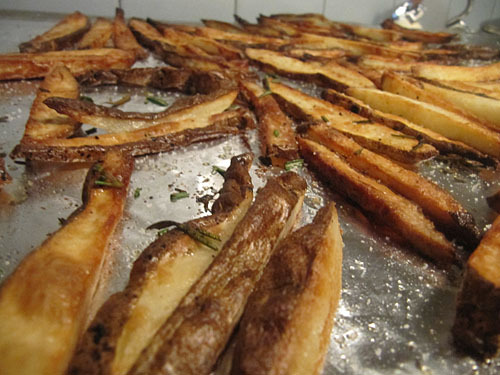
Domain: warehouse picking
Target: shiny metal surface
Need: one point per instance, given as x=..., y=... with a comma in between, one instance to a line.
x=396, y=309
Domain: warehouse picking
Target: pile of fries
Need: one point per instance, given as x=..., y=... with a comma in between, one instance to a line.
x=390, y=98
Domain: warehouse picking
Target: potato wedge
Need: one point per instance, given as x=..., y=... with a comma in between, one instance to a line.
x=305, y=53
x=223, y=26
x=385, y=63
x=258, y=29
x=447, y=123
x=402, y=215
x=37, y=65
x=476, y=327
x=374, y=136
x=441, y=143
x=159, y=279
x=99, y=35
x=484, y=89
x=207, y=315
x=419, y=35
x=49, y=296
x=115, y=120
x=330, y=73
x=489, y=72
x=286, y=326
x=446, y=213
x=245, y=39
x=276, y=135
x=123, y=37
x=61, y=36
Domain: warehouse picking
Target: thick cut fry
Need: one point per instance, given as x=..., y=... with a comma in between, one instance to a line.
x=448, y=215
x=489, y=72
x=376, y=137
x=195, y=334
x=477, y=327
x=223, y=26
x=277, y=137
x=484, y=89
x=331, y=72
x=288, y=319
x=246, y=39
x=43, y=122
x=99, y=35
x=61, y=36
x=49, y=297
x=123, y=37
x=115, y=120
x=385, y=63
x=401, y=215
x=443, y=144
x=305, y=53
x=161, y=276
x=447, y=123
x=419, y=35
x=36, y=65
x=257, y=29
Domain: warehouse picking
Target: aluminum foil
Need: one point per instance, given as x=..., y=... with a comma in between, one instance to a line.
x=396, y=309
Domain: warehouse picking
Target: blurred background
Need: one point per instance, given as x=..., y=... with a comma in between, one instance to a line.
x=436, y=12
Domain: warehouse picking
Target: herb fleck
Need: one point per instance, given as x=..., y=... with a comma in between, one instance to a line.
x=297, y=163
x=174, y=197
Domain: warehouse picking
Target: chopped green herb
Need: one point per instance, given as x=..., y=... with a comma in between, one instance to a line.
x=297, y=163
x=86, y=98
x=174, y=197
x=265, y=93
x=358, y=151
x=325, y=119
x=219, y=170
x=91, y=131
x=105, y=179
x=276, y=133
x=418, y=145
x=161, y=232
x=137, y=193
x=61, y=220
x=196, y=233
x=362, y=122
x=124, y=99
x=156, y=100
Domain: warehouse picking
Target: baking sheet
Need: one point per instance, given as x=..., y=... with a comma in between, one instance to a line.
x=396, y=309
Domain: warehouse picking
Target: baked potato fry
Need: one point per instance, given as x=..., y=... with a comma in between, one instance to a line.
x=402, y=215
x=385, y=63
x=286, y=326
x=63, y=35
x=489, y=72
x=305, y=53
x=159, y=279
x=244, y=39
x=446, y=213
x=276, y=135
x=374, y=136
x=190, y=341
x=115, y=120
x=123, y=37
x=223, y=26
x=330, y=73
x=99, y=35
x=419, y=35
x=49, y=296
x=441, y=143
x=476, y=327
x=37, y=65
x=444, y=122
x=484, y=89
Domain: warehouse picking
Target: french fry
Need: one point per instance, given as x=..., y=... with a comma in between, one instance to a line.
x=444, y=122
x=159, y=279
x=99, y=35
x=393, y=210
x=304, y=53
x=485, y=89
x=448, y=215
x=123, y=37
x=63, y=35
x=36, y=65
x=419, y=35
x=373, y=136
x=223, y=26
x=385, y=63
x=258, y=29
x=245, y=39
x=49, y=296
x=476, y=322
x=115, y=120
x=276, y=135
x=334, y=74
x=289, y=316
x=207, y=315
x=489, y=72
x=443, y=144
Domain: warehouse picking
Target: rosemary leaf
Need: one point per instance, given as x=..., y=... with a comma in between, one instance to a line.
x=297, y=163
x=174, y=197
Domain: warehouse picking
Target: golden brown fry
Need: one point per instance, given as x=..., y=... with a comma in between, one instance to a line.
x=385, y=63
x=443, y=144
x=489, y=72
x=441, y=207
x=391, y=209
x=98, y=36
x=447, y=123
x=476, y=327
x=277, y=137
x=329, y=73
x=245, y=39
x=222, y=26
x=304, y=53
x=288, y=318
x=419, y=35
x=159, y=279
x=50, y=295
x=258, y=29
x=123, y=37
x=207, y=315
x=485, y=89
x=36, y=65
x=376, y=137
x=61, y=36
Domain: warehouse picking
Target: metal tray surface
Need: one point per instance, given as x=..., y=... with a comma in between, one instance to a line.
x=396, y=309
